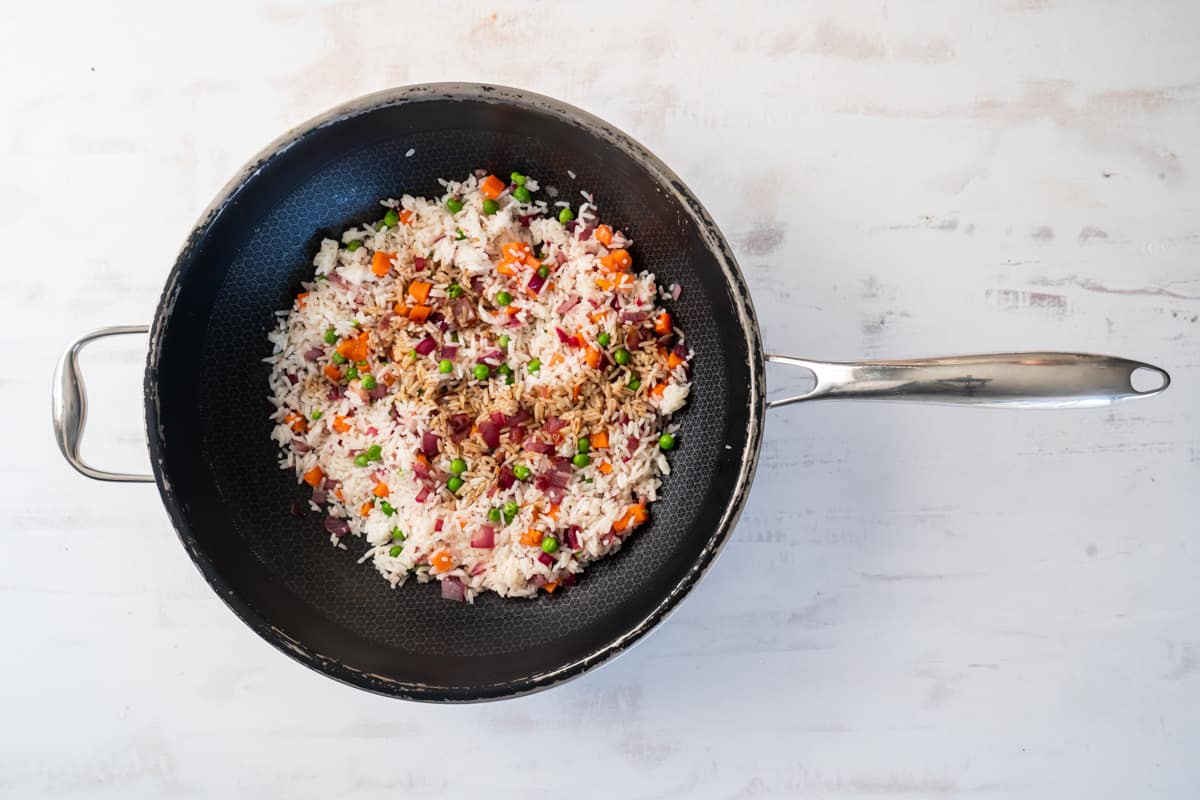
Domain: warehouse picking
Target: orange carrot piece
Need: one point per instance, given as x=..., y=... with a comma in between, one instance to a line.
x=400, y=310
x=340, y=425
x=296, y=423
x=605, y=467
x=338, y=493
x=673, y=360
x=302, y=300
x=333, y=373
x=442, y=561
x=314, y=477
x=662, y=324
x=605, y=284
x=420, y=291
x=553, y=512
x=531, y=262
x=638, y=514
x=603, y=235
x=576, y=390
x=532, y=538
x=380, y=490
x=622, y=260
x=389, y=378
x=406, y=217
x=597, y=315
x=592, y=356
x=516, y=251
x=420, y=313
x=598, y=440
x=381, y=262
x=550, y=587
x=658, y=389
x=512, y=311
x=491, y=187
x=366, y=508
x=505, y=268
x=556, y=359
x=608, y=263
x=354, y=349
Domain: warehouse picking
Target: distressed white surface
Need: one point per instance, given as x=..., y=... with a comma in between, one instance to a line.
x=918, y=602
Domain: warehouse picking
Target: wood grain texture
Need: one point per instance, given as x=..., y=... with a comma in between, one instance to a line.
x=919, y=602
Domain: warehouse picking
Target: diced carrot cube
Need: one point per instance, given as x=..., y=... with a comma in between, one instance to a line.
x=662, y=324
x=603, y=235
x=420, y=290
x=380, y=490
x=406, y=217
x=491, y=187
x=598, y=440
x=381, y=262
x=340, y=425
x=314, y=477
x=420, y=313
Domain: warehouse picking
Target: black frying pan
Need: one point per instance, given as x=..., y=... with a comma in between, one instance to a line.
x=234, y=509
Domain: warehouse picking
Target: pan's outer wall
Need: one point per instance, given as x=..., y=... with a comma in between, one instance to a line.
x=256, y=611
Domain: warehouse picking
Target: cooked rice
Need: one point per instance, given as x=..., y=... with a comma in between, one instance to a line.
x=400, y=503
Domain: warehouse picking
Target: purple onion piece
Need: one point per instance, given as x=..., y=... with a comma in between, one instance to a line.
x=453, y=589
x=292, y=379
x=553, y=425
x=449, y=351
x=544, y=448
x=569, y=579
x=676, y=290
x=429, y=444
x=379, y=391
x=554, y=494
x=425, y=346
x=320, y=496
x=484, y=538
x=300, y=446
x=585, y=232
x=536, y=283
x=546, y=559
x=418, y=264
x=314, y=353
x=337, y=527
x=573, y=537
x=520, y=418
x=633, y=316
x=422, y=495
x=567, y=305
x=296, y=510
x=492, y=357
x=490, y=433
x=506, y=478
x=437, y=526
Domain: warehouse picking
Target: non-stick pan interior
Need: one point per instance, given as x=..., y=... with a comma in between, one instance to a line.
x=207, y=407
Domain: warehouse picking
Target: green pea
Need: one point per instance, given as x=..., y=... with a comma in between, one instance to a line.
x=603, y=340
x=503, y=341
x=355, y=323
x=361, y=364
x=387, y=508
x=581, y=460
x=330, y=336
x=351, y=372
x=337, y=358
x=445, y=366
x=396, y=550
x=454, y=484
x=375, y=453
x=549, y=544
x=510, y=380
x=353, y=245
x=459, y=235
x=634, y=384
x=316, y=415
x=398, y=535
x=522, y=472
x=458, y=466
x=566, y=215
x=481, y=372
x=368, y=382
x=493, y=515
x=454, y=290
x=535, y=364
x=517, y=178
x=521, y=195
x=503, y=298
x=490, y=206
x=454, y=205
x=504, y=369
x=621, y=356
x=511, y=508
x=391, y=218
x=360, y=460
x=583, y=445
x=666, y=442
x=543, y=272
x=412, y=353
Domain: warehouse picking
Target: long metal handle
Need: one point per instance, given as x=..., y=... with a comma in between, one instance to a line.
x=1013, y=380
x=69, y=406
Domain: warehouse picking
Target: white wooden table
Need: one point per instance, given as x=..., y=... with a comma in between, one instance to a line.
x=918, y=602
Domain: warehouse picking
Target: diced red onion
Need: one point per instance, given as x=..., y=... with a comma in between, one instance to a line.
x=330, y=484
x=572, y=225
x=520, y=418
x=460, y=426
x=422, y=495
x=539, y=579
x=478, y=568
x=335, y=393
x=633, y=316
x=425, y=346
x=492, y=357
x=557, y=478
x=553, y=425
x=484, y=538
x=568, y=579
x=420, y=469
x=490, y=433
x=477, y=285
x=338, y=280
x=560, y=257
x=567, y=305
x=541, y=483
x=464, y=311
x=516, y=434
x=337, y=527
x=546, y=558
x=300, y=446
x=536, y=282
x=449, y=351
x=314, y=353
x=676, y=290
x=498, y=418
x=453, y=589
x=681, y=351
x=632, y=444
x=585, y=232
x=573, y=537
x=320, y=496
x=418, y=264
x=372, y=431
x=513, y=322
x=292, y=379
x=525, y=219
x=633, y=339
x=506, y=478
x=379, y=391
x=296, y=510
x=437, y=525
x=554, y=494
x=429, y=444
x=545, y=448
